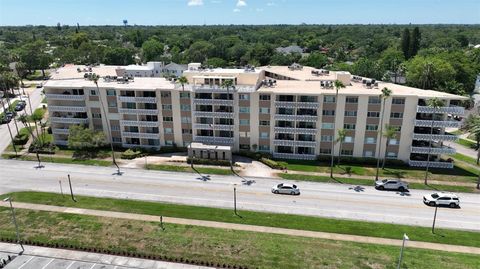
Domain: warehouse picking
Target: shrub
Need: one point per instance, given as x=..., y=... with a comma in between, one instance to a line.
x=254, y=155
x=209, y=162
x=47, y=148
x=360, y=160
x=273, y=164
x=130, y=154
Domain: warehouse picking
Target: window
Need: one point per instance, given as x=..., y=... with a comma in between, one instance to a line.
x=347, y=152
x=264, y=97
x=167, y=118
x=370, y=140
x=350, y=113
x=393, y=141
x=244, y=146
x=244, y=122
x=368, y=153
x=373, y=114
x=184, y=95
x=348, y=139
x=185, y=107
x=168, y=130
x=96, y=115
x=93, y=92
x=327, y=125
x=264, y=148
x=244, y=96
x=111, y=93
x=264, y=110
x=328, y=112
x=263, y=135
x=264, y=123
x=349, y=126
x=398, y=101
x=326, y=138
x=186, y=120
x=374, y=100
x=167, y=107
x=186, y=131
x=168, y=143
x=112, y=104
x=325, y=151
x=391, y=155
x=329, y=99
x=351, y=100
x=396, y=115
x=165, y=94
x=115, y=128
x=372, y=127
x=244, y=134
x=116, y=139
x=244, y=109
x=130, y=105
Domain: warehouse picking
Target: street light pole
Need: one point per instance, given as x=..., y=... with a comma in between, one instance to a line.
x=9, y=199
x=405, y=238
x=235, y=199
x=434, y=218
x=71, y=190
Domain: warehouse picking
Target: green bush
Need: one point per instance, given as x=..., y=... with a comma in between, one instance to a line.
x=130, y=154
x=254, y=155
x=47, y=148
x=172, y=149
x=273, y=164
x=22, y=137
x=358, y=160
x=209, y=162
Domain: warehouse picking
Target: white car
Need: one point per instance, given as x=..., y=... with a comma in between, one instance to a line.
x=441, y=198
x=391, y=184
x=284, y=188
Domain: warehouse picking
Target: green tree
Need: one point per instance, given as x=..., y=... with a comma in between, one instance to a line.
x=406, y=43
x=392, y=61
x=78, y=39
x=389, y=133
x=342, y=133
x=84, y=139
x=415, y=42
x=338, y=85
x=386, y=92
x=200, y=51
x=118, y=56
x=315, y=59
x=183, y=81
x=216, y=62
x=472, y=125
x=152, y=49
x=428, y=72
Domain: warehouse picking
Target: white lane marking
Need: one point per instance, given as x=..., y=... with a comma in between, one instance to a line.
x=31, y=258
x=70, y=265
x=48, y=263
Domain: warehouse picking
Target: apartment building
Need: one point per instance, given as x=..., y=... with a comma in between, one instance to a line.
x=292, y=112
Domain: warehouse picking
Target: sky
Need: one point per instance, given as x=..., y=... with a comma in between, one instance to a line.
x=199, y=12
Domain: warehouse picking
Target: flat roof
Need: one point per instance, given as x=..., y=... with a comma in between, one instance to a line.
x=196, y=145
x=300, y=74
x=219, y=71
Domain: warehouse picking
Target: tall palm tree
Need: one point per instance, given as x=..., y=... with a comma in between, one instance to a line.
x=183, y=81
x=342, y=133
x=95, y=78
x=386, y=92
x=434, y=103
x=389, y=133
x=338, y=85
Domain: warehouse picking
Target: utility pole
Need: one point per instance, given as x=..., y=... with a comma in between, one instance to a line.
x=235, y=199
x=405, y=238
x=71, y=190
x=9, y=199
x=434, y=219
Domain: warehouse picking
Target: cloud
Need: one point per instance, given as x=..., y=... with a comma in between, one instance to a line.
x=271, y=4
x=241, y=3
x=192, y=3
x=236, y=10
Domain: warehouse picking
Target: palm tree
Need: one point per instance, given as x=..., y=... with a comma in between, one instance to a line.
x=389, y=133
x=386, y=92
x=95, y=78
x=342, y=133
x=434, y=103
x=338, y=85
x=182, y=80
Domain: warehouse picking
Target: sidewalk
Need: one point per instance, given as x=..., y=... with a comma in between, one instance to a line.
x=249, y=228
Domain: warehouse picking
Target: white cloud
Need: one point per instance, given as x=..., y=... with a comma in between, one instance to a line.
x=192, y=3
x=241, y=3
x=236, y=10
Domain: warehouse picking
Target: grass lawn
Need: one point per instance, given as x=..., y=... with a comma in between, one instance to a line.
x=255, y=250
x=464, y=158
x=369, y=182
x=384, y=230
x=53, y=159
x=201, y=170
x=467, y=143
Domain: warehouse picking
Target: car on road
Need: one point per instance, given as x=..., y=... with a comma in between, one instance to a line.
x=441, y=199
x=391, y=184
x=284, y=188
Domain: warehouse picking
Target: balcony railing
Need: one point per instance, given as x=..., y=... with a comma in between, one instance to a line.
x=220, y=127
x=60, y=131
x=137, y=99
x=456, y=110
x=294, y=156
x=278, y=142
x=216, y=88
x=68, y=108
x=138, y=111
x=139, y=123
x=295, y=130
x=310, y=144
x=296, y=117
x=214, y=140
x=213, y=114
x=220, y=102
x=283, y=104
x=140, y=135
x=127, y=145
x=433, y=150
x=305, y=131
x=63, y=97
x=431, y=164
x=446, y=123
x=435, y=137
x=68, y=120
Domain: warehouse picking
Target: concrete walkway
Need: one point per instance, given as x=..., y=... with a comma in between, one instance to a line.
x=249, y=228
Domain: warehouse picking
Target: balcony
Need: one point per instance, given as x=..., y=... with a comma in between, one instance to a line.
x=310, y=105
x=68, y=108
x=310, y=144
x=216, y=88
x=220, y=102
x=294, y=156
x=435, y=137
x=60, y=131
x=141, y=135
x=139, y=123
x=285, y=104
x=456, y=110
x=437, y=123
x=305, y=131
x=69, y=120
x=138, y=111
x=448, y=165
x=296, y=117
x=433, y=150
x=214, y=140
x=127, y=145
x=152, y=100
x=213, y=114
x=219, y=127
x=278, y=142
x=65, y=97
x=284, y=129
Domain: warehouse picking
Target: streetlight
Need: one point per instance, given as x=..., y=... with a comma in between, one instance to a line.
x=9, y=199
x=235, y=199
x=405, y=238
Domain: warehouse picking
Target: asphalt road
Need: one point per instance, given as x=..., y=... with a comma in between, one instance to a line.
x=317, y=199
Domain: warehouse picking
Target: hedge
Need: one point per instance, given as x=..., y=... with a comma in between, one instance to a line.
x=131, y=154
x=273, y=164
x=209, y=162
x=360, y=160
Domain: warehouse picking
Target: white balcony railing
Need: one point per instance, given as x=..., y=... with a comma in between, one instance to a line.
x=68, y=120
x=216, y=88
x=220, y=127
x=294, y=156
x=456, y=110
x=295, y=130
x=214, y=140
x=431, y=164
x=307, y=118
x=446, y=123
x=64, y=97
x=60, y=131
x=138, y=111
x=67, y=108
x=435, y=137
x=219, y=102
x=139, y=123
x=127, y=145
x=433, y=150
x=137, y=99
x=278, y=142
x=141, y=135
x=310, y=144
x=213, y=114
x=311, y=105
x=305, y=131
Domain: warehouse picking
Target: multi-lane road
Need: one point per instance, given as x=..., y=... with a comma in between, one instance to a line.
x=317, y=199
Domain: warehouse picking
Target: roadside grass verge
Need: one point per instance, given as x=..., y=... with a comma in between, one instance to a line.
x=53, y=159
x=466, y=143
x=370, y=182
x=178, y=168
x=464, y=158
x=227, y=248
x=384, y=230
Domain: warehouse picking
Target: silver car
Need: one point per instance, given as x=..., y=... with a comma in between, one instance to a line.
x=441, y=199
x=391, y=184
x=284, y=188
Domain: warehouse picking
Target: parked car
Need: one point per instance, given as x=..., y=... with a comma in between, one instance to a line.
x=441, y=199
x=391, y=184
x=20, y=106
x=6, y=119
x=284, y=188
x=40, y=85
